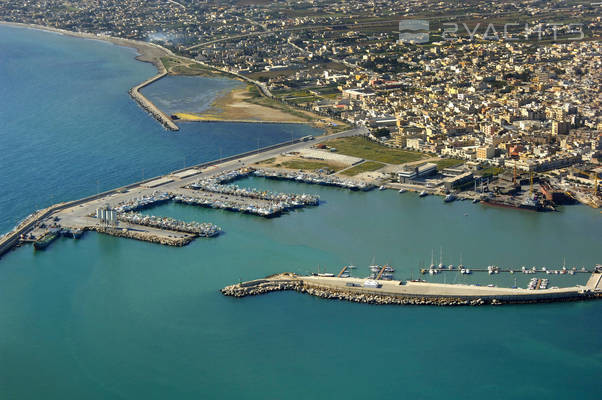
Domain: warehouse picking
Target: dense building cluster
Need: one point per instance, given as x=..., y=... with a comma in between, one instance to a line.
x=511, y=84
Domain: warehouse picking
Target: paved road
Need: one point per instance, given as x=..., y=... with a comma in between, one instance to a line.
x=441, y=289
x=76, y=216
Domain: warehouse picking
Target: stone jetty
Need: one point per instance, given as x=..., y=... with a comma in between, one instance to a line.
x=400, y=293
x=168, y=240
x=148, y=106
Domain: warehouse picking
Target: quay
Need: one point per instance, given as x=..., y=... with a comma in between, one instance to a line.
x=77, y=215
x=412, y=292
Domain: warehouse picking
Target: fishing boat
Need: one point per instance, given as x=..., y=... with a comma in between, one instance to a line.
x=449, y=198
x=423, y=194
x=45, y=241
x=402, y=190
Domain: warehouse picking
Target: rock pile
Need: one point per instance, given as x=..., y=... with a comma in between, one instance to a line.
x=144, y=236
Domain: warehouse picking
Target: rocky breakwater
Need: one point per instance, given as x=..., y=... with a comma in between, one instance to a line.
x=177, y=241
x=274, y=283
x=383, y=299
x=149, y=107
x=289, y=281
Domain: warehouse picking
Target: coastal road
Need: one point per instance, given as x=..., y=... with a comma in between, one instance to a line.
x=75, y=214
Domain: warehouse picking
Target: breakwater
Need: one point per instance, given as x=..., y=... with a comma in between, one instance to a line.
x=145, y=236
x=147, y=105
x=418, y=294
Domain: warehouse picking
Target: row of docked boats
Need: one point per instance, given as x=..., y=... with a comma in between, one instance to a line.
x=434, y=270
x=273, y=210
x=314, y=178
x=561, y=271
x=203, y=229
x=231, y=176
x=385, y=271
x=538, y=284
x=298, y=200
x=142, y=202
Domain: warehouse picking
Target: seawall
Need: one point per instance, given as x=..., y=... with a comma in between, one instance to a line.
x=147, y=105
x=442, y=295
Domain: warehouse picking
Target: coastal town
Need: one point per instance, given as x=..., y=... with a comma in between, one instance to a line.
x=508, y=99
x=216, y=198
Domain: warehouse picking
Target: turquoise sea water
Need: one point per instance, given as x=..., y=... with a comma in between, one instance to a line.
x=106, y=318
x=69, y=127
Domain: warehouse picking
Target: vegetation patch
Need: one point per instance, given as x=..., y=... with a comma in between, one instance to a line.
x=366, y=166
x=358, y=146
x=447, y=163
x=490, y=171
x=307, y=165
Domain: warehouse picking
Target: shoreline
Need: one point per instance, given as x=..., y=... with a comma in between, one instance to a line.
x=76, y=211
x=152, y=53
x=147, y=52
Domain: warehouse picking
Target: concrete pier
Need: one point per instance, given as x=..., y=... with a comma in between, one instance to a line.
x=410, y=292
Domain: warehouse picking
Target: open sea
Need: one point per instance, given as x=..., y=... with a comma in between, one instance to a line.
x=109, y=318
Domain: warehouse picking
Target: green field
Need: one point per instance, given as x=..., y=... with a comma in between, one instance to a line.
x=358, y=146
x=490, y=171
x=447, y=163
x=308, y=165
x=363, y=167
x=169, y=62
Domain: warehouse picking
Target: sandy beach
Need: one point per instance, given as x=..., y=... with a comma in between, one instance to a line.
x=234, y=106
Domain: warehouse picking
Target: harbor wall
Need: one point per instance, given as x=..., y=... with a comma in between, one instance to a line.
x=144, y=236
x=147, y=105
x=374, y=296
x=11, y=239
